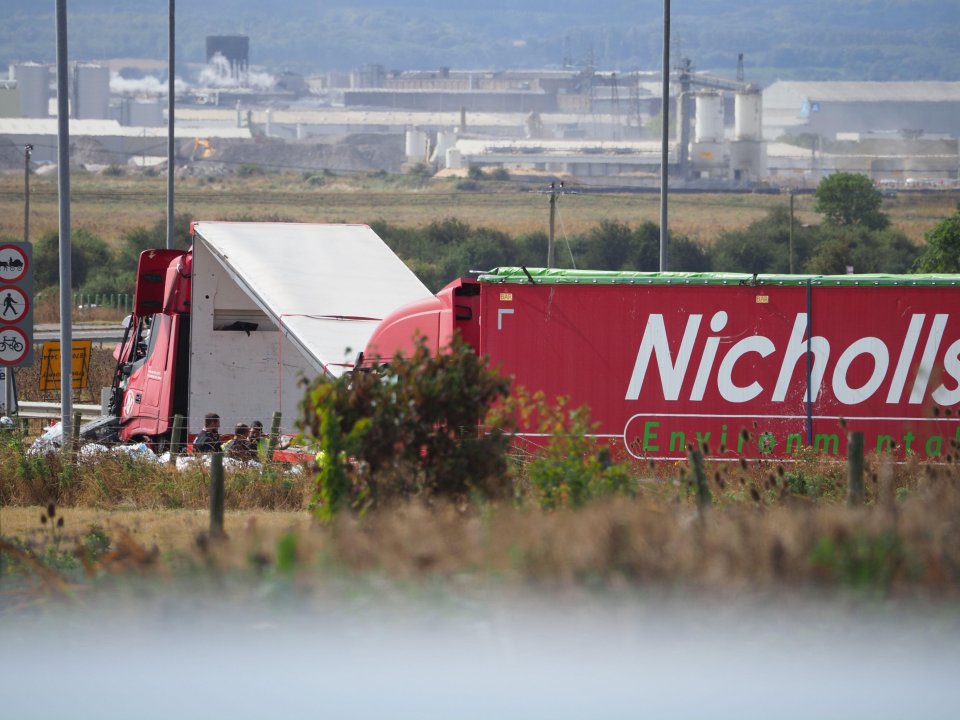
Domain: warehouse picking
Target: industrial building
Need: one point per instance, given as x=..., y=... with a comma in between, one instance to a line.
x=599, y=126
x=828, y=108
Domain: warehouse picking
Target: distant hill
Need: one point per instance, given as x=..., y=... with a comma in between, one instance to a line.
x=809, y=39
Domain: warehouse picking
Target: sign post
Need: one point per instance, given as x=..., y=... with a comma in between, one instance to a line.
x=16, y=317
x=50, y=365
x=8, y=392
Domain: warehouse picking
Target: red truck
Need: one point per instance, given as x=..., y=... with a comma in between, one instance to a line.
x=744, y=366
x=237, y=323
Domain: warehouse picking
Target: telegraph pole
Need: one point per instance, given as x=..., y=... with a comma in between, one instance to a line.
x=554, y=194
x=170, y=103
x=665, y=136
x=791, y=231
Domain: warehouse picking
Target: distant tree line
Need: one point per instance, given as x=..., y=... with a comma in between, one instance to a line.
x=854, y=233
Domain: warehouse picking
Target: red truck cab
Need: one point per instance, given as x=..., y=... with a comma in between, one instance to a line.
x=455, y=308
x=151, y=380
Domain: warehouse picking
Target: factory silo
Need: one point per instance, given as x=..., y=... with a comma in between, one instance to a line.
x=707, y=153
x=415, y=145
x=748, y=106
x=91, y=92
x=748, y=157
x=709, y=124
x=33, y=84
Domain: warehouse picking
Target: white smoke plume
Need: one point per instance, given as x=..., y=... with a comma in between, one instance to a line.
x=217, y=74
x=148, y=86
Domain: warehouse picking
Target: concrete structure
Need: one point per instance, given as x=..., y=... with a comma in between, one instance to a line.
x=142, y=113
x=9, y=99
x=91, y=92
x=33, y=83
x=415, y=145
x=117, y=144
x=828, y=108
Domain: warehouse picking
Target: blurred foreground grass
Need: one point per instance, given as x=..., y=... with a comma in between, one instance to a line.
x=760, y=536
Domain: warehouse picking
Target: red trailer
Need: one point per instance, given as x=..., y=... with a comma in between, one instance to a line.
x=752, y=366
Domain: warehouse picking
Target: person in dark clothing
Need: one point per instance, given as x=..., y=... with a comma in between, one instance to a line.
x=240, y=446
x=209, y=438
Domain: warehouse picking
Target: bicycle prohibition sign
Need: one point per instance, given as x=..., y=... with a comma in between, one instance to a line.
x=13, y=346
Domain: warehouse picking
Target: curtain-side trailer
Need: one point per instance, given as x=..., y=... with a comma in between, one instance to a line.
x=740, y=365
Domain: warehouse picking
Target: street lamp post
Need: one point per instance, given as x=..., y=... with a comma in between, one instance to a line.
x=665, y=137
x=27, y=151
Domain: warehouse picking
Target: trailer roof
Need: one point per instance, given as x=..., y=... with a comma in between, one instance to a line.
x=326, y=286
x=544, y=276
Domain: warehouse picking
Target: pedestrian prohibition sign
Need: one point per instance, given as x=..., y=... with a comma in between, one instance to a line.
x=14, y=302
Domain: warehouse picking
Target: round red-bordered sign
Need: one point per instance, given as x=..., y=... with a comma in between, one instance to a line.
x=14, y=305
x=14, y=346
x=13, y=264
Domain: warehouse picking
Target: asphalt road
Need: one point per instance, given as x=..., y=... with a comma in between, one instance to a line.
x=98, y=332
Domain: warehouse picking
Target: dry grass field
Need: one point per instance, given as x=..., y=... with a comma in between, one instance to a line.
x=765, y=529
x=109, y=206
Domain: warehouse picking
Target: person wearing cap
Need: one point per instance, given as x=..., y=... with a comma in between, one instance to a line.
x=209, y=438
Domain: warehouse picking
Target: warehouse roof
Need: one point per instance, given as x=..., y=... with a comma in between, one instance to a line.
x=111, y=128
x=867, y=91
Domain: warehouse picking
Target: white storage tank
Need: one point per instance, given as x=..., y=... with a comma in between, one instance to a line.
x=748, y=106
x=454, y=159
x=91, y=85
x=33, y=83
x=709, y=123
x=416, y=145
x=446, y=139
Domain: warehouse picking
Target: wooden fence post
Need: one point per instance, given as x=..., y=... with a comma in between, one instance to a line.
x=700, y=480
x=855, y=469
x=216, y=495
x=887, y=489
x=75, y=433
x=274, y=435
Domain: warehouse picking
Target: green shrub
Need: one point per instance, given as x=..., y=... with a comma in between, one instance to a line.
x=859, y=560
x=410, y=429
x=572, y=468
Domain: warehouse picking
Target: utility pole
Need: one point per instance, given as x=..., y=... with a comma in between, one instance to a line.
x=791, y=231
x=664, y=136
x=554, y=194
x=170, y=103
x=27, y=152
x=63, y=191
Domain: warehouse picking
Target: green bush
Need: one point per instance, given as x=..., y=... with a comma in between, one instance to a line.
x=941, y=254
x=572, y=468
x=411, y=429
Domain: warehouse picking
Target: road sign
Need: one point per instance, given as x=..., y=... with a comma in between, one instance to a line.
x=15, y=304
x=79, y=365
x=16, y=311
x=14, y=262
x=14, y=346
